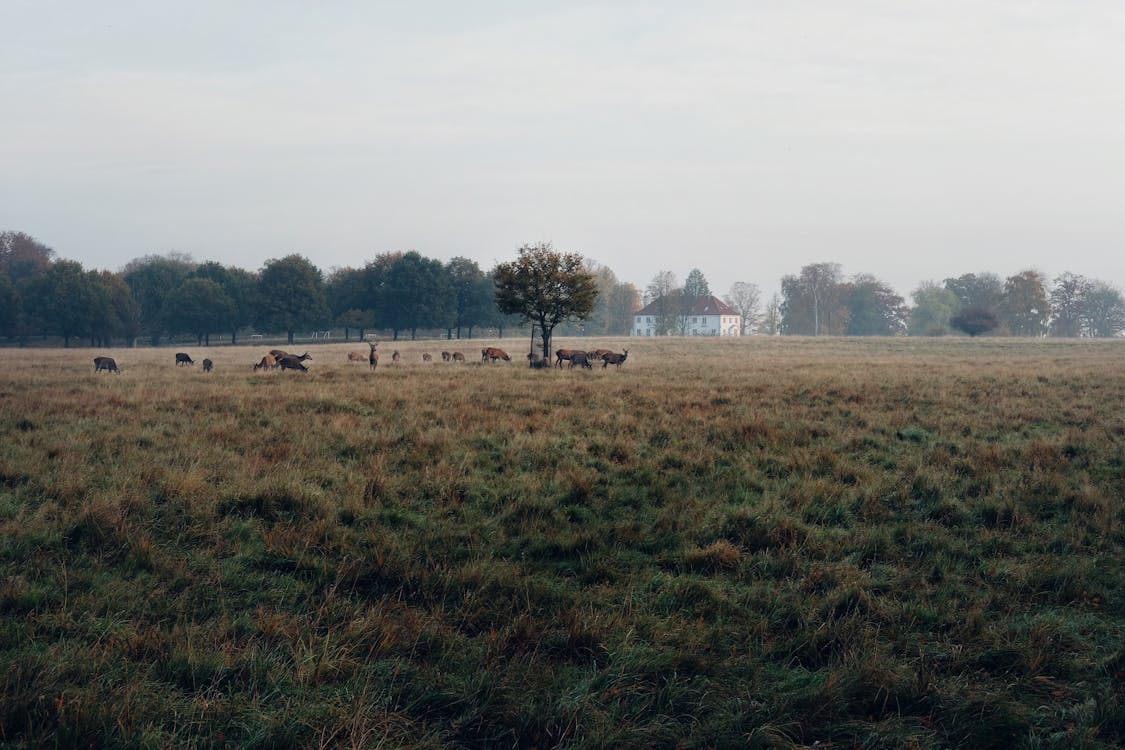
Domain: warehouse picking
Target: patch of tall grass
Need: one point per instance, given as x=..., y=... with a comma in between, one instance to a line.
x=727, y=543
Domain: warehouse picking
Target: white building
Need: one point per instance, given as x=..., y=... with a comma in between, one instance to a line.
x=698, y=316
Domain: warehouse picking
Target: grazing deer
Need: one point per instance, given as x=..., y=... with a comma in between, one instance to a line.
x=457, y=357
x=491, y=354
x=446, y=356
x=268, y=363
x=105, y=363
x=535, y=362
x=207, y=365
x=183, y=359
x=427, y=358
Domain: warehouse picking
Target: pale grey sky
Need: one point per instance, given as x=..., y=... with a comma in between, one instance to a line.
x=914, y=140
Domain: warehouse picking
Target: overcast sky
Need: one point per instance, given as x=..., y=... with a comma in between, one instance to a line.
x=914, y=140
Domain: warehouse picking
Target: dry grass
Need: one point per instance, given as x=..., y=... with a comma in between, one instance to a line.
x=763, y=543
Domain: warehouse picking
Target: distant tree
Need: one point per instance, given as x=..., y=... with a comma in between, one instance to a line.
x=292, y=297
x=241, y=287
x=771, y=316
x=64, y=300
x=665, y=299
x=1104, y=311
x=9, y=306
x=696, y=284
x=874, y=308
x=351, y=300
x=472, y=293
x=623, y=303
x=198, y=306
x=1068, y=304
x=22, y=257
x=114, y=313
x=23, y=260
x=745, y=299
x=375, y=274
x=152, y=278
x=545, y=287
x=975, y=320
x=416, y=294
x=977, y=290
x=811, y=301
x=1026, y=307
x=934, y=305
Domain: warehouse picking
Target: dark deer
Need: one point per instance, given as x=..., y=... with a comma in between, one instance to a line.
x=579, y=359
x=183, y=359
x=292, y=363
x=566, y=355
x=105, y=363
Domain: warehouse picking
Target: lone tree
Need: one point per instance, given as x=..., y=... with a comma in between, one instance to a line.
x=545, y=287
x=974, y=320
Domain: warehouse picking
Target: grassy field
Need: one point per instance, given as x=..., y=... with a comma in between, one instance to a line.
x=756, y=543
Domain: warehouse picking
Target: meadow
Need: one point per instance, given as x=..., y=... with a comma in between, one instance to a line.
x=756, y=543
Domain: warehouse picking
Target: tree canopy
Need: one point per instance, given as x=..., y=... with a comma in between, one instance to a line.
x=292, y=296
x=545, y=287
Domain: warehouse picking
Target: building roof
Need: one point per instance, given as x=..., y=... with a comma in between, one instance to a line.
x=710, y=305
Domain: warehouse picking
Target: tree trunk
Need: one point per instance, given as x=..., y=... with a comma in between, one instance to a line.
x=66, y=340
x=290, y=340
x=233, y=338
x=546, y=335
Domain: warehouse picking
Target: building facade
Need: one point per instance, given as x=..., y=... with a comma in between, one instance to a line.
x=695, y=316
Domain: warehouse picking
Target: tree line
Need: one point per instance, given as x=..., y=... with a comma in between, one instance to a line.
x=158, y=296
x=404, y=293
x=822, y=300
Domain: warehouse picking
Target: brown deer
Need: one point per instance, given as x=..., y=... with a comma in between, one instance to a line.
x=614, y=359
x=279, y=353
x=356, y=357
x=566, y=354
x=457, y=357
x=268, y=363
x=373, y=358
x=427, y=358
x=394, y=357
x=491, y=354
x=446, y=356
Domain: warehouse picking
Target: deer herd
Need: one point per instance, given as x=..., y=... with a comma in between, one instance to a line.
x=283, y=360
